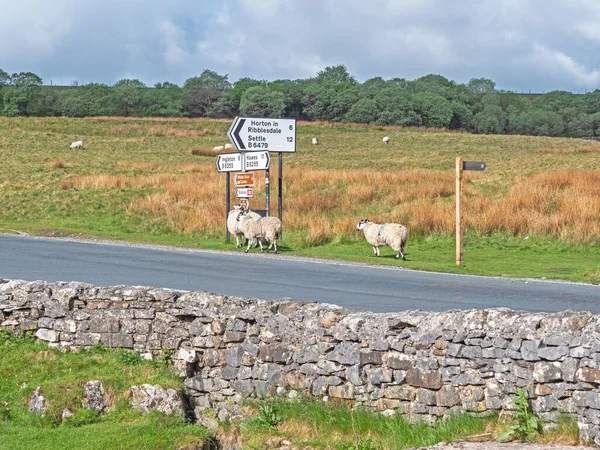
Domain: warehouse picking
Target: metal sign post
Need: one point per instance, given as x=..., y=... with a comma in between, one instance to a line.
x=280, y=191
x=460, y=167
x=227, y=205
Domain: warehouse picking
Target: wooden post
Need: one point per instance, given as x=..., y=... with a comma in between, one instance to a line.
x=459, y=225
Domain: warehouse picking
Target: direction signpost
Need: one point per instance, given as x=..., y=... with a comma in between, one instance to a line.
x=248, y=134
x=253, y=139
x=460, y=167
x=230, y=162
x=246, y=192
x=243, y=179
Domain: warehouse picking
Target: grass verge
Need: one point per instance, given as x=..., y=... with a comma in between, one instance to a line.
x=25, y=365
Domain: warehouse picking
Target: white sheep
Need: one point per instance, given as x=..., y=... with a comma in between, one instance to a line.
x=391, y=234
x=233, y=224
x=386, y=140
x=268, y=228
x=315, y=141
x=228, y=146
x=76, y=144
x=219, y=148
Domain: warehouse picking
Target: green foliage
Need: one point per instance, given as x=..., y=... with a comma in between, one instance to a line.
x=81, y=417
x=525, y=426
x=260, y=101
x=165, y=358
x=129, y=357
x=268, y=415
x=332, y=95
x=435, y=110
x=360, y=444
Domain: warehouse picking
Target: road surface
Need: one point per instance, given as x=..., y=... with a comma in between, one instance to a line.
x=357, y=286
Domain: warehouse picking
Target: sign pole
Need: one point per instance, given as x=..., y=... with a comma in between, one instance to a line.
x=227, y=205
x=268, y=192
x=459, y=225
x=280, y=189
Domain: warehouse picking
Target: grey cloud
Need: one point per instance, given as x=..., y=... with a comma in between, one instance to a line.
x=520, y=44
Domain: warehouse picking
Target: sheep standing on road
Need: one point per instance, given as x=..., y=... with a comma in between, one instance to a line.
x=233, y=224
x=391, y=234
x=268, y=228
x=386, y=140
x=76, y=144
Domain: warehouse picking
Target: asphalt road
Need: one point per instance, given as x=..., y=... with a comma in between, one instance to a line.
x=357, y=286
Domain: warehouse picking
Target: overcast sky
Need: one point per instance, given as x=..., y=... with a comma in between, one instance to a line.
x=522, y=45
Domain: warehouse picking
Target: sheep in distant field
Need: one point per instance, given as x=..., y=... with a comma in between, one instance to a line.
x=228, y=146
x=268, y=228
x=386, y=140
x=76, y=144
x=233, y=224
x=315, y=141
x=391, y=234
x=219, y=148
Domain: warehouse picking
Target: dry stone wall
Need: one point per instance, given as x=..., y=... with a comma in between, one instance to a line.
x=422, y=364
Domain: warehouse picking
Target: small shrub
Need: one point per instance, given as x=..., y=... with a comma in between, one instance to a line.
x=360, y=444
x=129, y=357
x=165, y=358
x=268, y=415
x=526, y=426
x=99, y=347
x=82, y=417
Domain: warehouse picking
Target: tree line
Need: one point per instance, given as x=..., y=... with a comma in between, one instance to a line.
x=332, y=95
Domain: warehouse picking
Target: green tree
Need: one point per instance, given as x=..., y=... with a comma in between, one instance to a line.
x=481, y=86
x=22, y=89
x=128, y=97
x=164, y=100
x=397, y=106
x=260, y=101
x=4, y=78
x=71, y=103
x=462, y=116
x=203, y=92
x=363, y=111
x=434, y=109
x=333, y=75
x=492, y=120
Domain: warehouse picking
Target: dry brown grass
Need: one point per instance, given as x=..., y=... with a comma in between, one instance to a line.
x=57, y=164
x=206, y=151
x=326, y=204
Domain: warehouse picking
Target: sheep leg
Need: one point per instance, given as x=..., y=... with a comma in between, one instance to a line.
x=260, y=243
x=374, y=251
x=249, y=245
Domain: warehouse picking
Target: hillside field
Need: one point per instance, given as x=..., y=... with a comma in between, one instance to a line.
x=534, y=212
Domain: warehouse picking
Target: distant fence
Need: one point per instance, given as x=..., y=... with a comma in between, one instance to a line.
x=592, y=138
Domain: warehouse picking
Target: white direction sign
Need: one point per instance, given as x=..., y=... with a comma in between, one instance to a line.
x=249, y=134
x=244, y=192
x=256, y=161
x=230, y=162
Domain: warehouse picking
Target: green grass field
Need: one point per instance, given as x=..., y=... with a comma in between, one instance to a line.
x=534, y=212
